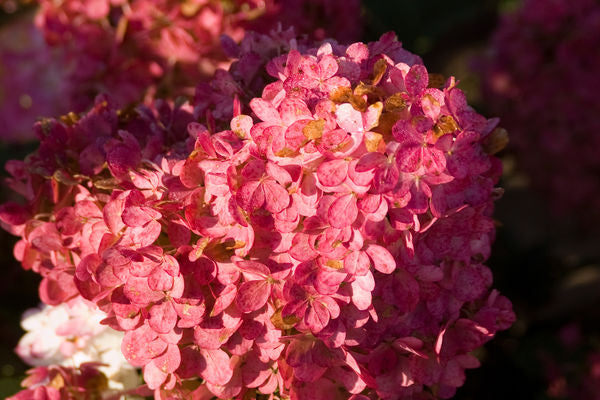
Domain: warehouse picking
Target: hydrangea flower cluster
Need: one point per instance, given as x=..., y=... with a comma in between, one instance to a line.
x=65, y=383
x=70, y=335
x=542, y=79
x=30, y=77
x=315, y=228
x=135, y=49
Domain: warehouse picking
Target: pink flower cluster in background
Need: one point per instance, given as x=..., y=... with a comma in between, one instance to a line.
x=542, y=80
x=31, y=80
x=315, y=227
x=136, y=49
x=65, y=383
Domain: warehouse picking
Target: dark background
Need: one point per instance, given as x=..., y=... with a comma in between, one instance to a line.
x=545, y=266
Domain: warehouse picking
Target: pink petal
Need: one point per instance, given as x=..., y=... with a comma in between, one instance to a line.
x=137, y=290
x=416, y=80
x=226, y=297
x=317, y=316
x=251, y=196
x=328, y=66
x=163, y=317
x=370, y=161
x=160, y=280
x=333, y=172
x=190, y=311
x=383, y=261
x=265, y=111
x=253, y=295
x=170, y=360
x=153, y=376
x=276, y=197
x=253, y=267
x=343, y=211
x=348, y=118
x=357, y=263
x=361, y=298
x=217, y=370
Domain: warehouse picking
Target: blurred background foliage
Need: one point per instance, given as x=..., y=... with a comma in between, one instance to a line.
x=548, y=269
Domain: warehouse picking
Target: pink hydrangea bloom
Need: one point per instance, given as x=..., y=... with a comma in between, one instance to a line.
x=314, y=228
x=542, y=78
x=30, y=78
x=139, y=49
x=85, y=382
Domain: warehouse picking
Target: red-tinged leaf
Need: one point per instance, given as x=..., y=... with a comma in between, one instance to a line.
x=226, y=297
x=265, y=111
x=163, y=317
x=217, y=370
x=416, y=80
x=317, y=316
x=169, y=361
x=253, y=295
x=383, y=261
x=276, y=197
x=333, y=172
x=251, y=196
x=153, y=376
x=343, y=211
x=357, y=263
